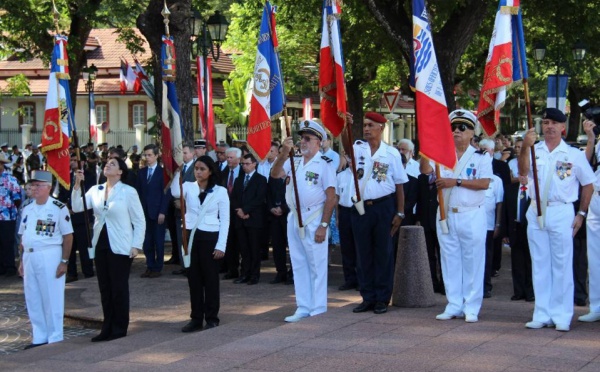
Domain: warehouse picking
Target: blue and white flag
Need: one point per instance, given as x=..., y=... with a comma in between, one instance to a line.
x=562, y=92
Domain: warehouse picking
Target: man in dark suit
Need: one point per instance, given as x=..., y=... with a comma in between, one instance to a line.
x=151, y=189
x=248, y=204
x=187, y=169
x=228, y=176
x=500, y=168
x=427, y=205
x=411, y=195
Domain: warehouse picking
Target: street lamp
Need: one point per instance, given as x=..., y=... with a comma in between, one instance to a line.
x=539, y=53
x=209, y=35
x=89, y=76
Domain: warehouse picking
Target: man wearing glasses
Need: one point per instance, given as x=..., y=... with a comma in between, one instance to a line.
x=463, y=246
x=316, y=189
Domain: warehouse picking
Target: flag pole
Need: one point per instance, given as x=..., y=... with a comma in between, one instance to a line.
x=440, y=192
x=76, y=145
x=288, y=131
x=358, y=202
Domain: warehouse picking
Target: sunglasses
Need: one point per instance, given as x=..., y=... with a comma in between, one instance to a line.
x=461, y=127
x=307, y=138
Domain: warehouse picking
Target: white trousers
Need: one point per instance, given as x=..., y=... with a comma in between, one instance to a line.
x=44, y=294
x=309, y=262
x=552, y=263
x=593, y=252
x=462, y=253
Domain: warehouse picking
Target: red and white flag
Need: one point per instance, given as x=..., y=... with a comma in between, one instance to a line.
x=123, y=77
x=58, y=117
x=332, y=86
x=435, y=135
x=307, y=105
x=207, y=126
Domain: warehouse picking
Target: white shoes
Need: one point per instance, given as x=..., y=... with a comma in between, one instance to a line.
x=589, y=318
x=295, y=318
x=537, y=325
x=471, y=318
x=448, y=316
x=562, y=327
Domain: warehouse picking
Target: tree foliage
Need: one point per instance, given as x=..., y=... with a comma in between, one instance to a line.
x=235, y=108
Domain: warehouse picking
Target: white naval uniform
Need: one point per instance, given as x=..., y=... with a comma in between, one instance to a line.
x=309, y=259
x=462, y=250
x=552, y=247
x=493, y=195
x=593, y=246
x=42, y=229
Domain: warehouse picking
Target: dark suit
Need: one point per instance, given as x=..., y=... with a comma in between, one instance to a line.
x=519, y=246
x=251, y=199
x=411, y=195
x=154, y=202
x=278, y=224
x=427, y=205
x=175, y=218
x=232, y=254
x=500, y=169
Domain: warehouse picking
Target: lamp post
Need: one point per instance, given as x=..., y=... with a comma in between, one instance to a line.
x=89, y=76
x=209, y=35
x=539, y=53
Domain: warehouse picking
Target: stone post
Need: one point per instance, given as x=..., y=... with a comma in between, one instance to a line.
x=221, y=132
x=139, y=135
x=26, y=134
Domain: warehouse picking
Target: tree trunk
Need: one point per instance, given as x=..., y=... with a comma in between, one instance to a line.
x=150, y=24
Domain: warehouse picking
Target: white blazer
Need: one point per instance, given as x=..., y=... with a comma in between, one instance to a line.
x=124, y=216
x=216, y=217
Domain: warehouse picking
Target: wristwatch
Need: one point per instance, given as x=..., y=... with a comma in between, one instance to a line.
x=64, y=261
x=458, y=182
x=584, y=214
x=401, y=215
x=324, y=224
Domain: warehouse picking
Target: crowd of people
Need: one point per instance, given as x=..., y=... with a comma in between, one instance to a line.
x=224, y=208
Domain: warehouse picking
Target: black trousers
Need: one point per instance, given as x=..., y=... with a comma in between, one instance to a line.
x=347, y=246
x=497, y=254
x=7, y=245
x=250, y=242
x=580, y=268
x=113, y=280
x=232, y=253
x=521, y=263
x=278, y=227
x=81, y=244
x=434, y=258
x=489, y=261
x=203, y=278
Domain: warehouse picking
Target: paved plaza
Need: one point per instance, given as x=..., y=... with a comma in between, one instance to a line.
x=253, y=337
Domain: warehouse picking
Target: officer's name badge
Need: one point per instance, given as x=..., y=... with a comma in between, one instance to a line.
x=380, y=171
x=563, y=169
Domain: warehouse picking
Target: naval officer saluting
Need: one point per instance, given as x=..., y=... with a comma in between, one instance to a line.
x=46, y=240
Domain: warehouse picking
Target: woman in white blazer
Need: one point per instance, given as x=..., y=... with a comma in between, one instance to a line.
x=119, y=230
x=207, y=225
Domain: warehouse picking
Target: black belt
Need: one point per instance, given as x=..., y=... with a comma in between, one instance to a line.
x=342, y=207
x=378, y=200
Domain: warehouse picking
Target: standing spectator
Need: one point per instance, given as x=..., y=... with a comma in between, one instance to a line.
x=118, y=236
x=330, y=153
x=10, y=200
x=563, y=169
x=345, y=190
x=199, y=148
x=221, y=157
x=316, y=190
x=207, y=220
x=264, y=168
x=150, y=188
x=248, y=203
x=228, y=177
x=34, y=161
x=463, y=247
x=411, y=195
x=46, y=236
x=407, y=148
x=381, y=175
x=7, y=157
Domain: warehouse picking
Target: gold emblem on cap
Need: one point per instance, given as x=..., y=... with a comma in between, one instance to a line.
x=306, y=124
x=459, y=113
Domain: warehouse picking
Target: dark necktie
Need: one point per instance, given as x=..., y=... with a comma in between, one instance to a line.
x=246, y=181
x=522, y=204
x=150, y=172
x=230, y=182
x=184, y=168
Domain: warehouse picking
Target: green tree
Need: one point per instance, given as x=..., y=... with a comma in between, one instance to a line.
x=17, y=86
x=235, y=105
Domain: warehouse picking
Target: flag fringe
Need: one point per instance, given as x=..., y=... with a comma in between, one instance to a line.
x=512, y=10
x=59, y=179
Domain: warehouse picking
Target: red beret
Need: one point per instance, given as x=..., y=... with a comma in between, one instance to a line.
x=378, y=118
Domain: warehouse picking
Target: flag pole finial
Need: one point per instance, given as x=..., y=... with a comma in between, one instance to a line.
x=56, y=15
x=166, y=13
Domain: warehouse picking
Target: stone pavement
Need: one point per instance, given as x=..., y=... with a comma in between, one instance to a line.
x=253, y=337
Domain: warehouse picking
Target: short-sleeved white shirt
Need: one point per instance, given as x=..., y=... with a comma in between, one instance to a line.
x=478, y=166
x=378, y=174
x=514, y=167
x=44, y=225
x=345, y=187
x=569, y=169
x=493, y=195
x=313, y=178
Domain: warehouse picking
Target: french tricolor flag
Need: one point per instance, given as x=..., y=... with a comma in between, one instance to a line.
x=506, y=64
x=332, y=86
x=435, y=136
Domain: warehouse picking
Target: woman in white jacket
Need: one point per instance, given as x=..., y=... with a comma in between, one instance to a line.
x=207, y=225
x=119, y=230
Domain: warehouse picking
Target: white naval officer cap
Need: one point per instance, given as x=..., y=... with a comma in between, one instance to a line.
x=4, y=144
x=465, y=117
x=41, y=176
x=312, y=127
